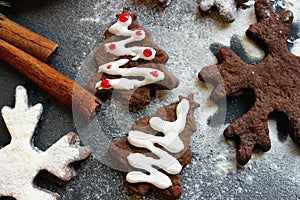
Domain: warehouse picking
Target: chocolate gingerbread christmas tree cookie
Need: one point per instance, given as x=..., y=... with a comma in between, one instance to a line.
x=275, y=82
x=226, y=8
x=131, y=66
x=157, y=149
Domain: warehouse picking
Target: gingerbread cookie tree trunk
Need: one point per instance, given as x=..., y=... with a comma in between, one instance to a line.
x=161, y=141
x=275, y=81
x=20, y=161
x=226, y=8
x=130, y=64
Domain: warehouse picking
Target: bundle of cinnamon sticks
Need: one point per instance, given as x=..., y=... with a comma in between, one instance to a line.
x=27, y=52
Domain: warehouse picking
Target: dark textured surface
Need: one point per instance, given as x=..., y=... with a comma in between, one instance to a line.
x=78, y=27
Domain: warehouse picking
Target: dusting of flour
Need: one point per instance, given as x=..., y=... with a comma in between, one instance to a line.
x=187, y=39
x=225, y=161
x=296, y=48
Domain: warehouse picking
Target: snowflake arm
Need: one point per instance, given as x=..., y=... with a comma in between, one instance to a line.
x=246, y=135
x=272, y=39
x=65, y=151
x=229, y=67
x=34, y=193
x=22, y=116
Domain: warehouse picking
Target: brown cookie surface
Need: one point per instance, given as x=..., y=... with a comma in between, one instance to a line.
x=275, y=82
x=121, y=149
x=139, y=96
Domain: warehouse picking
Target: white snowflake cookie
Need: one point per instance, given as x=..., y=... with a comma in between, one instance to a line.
x=226, y=8
x=20, y=161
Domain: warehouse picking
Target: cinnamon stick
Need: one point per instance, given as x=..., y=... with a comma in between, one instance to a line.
x=28, y=41
x=58, y=85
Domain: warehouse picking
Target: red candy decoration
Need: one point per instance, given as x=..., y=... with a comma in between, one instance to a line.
x=154, y=73
x=105, y=84
x=112, y=46
x=124, y=17
x=108, y=67
x=139, y=33
x=147, y=53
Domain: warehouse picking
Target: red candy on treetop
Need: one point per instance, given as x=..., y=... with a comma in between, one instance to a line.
x=124, y=17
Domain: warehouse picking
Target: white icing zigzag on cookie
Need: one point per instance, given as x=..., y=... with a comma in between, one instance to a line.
x=170, y=141
x=150, y=76
x=20, y=161
x=120, y=28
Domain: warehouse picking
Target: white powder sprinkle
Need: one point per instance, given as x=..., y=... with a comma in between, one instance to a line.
x=296, y=47
x=188, y=45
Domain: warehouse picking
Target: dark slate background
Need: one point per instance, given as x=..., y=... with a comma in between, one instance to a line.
x=59, y=21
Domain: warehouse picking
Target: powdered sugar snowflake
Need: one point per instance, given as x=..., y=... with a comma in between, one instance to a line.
x=20, y=161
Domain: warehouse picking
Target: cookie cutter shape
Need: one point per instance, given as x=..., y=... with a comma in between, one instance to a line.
x=275, y=81
x=20, y=161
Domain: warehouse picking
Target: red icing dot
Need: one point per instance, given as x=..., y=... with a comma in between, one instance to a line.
x=108, y=67
x=147, y=52
x=139, y=33
x=105, y=84
x=112, y=46
x=154, y=73
x=124, y=17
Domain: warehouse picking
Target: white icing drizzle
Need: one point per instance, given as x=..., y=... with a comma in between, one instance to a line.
x=113, y=68
x=170, y=141
x=120, y=28
x=119, y=48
